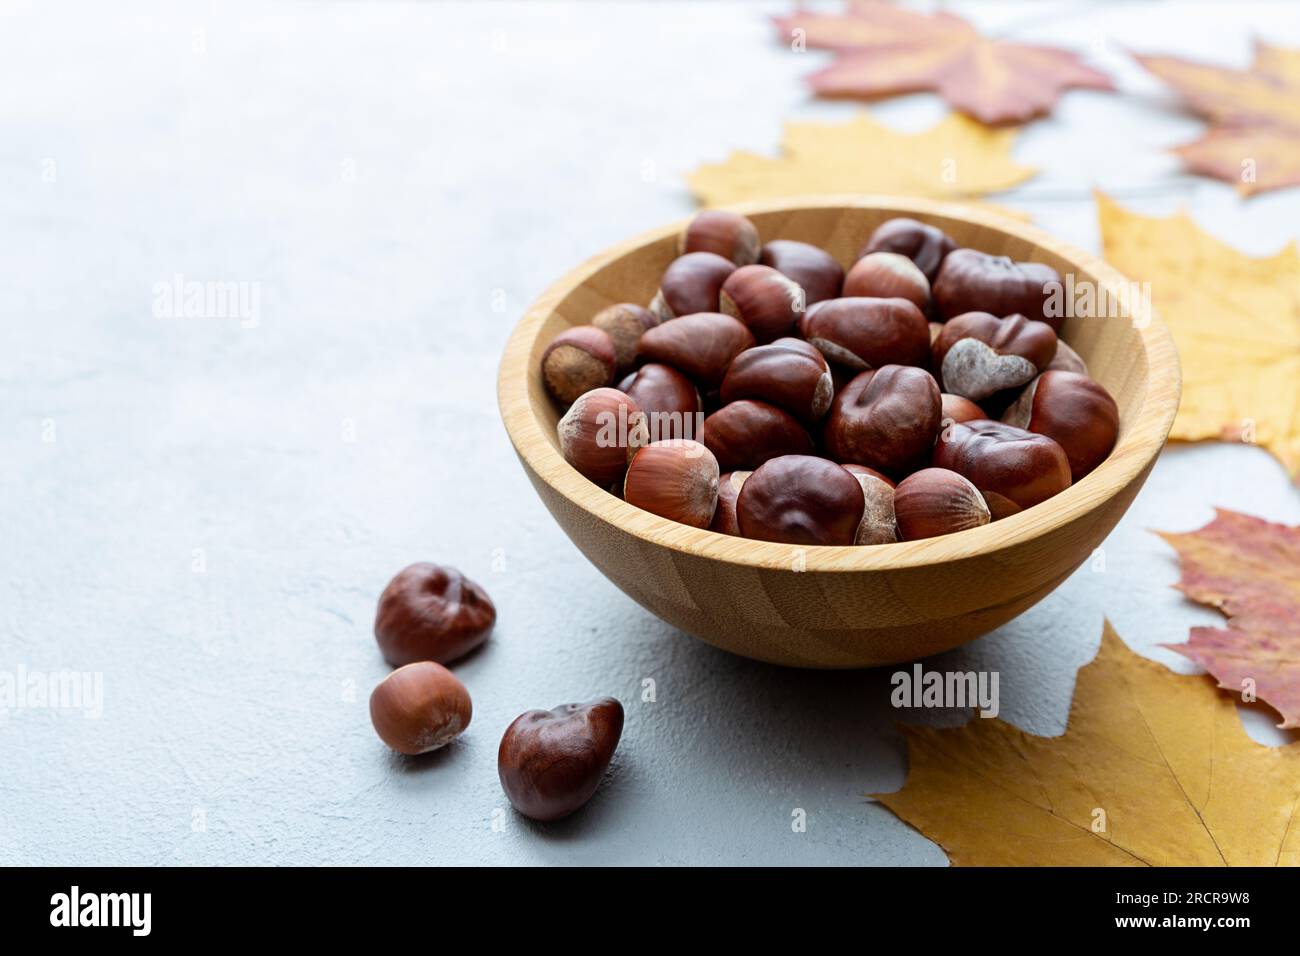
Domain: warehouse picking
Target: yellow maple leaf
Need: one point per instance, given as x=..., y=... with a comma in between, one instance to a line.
x=955, y=159
x=1235, y=319
x=1154, y=769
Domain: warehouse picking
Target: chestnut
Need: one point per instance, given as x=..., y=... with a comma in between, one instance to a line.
x=886, y=418
x=624, y=323
x=814, y=269
x=863, y=333
x=670, y=401
x=746, y=433
x=1018, y=465
x=877, y=525
x=935, y=501
x=700, y=346
x=551, y=762
x=420, y=707
x=431, y=613
x=924, y=244
x=578, y=360
x=971, y=281
x=1074, y=411
x=788, y=373
x=727, y=234
x=724, y=516
x=978, y=354
x=798, y=499
x=690, y=284
x=888, y=275
x=1066, y=359
x=767, y=301
x=599, y=433
x=675, y=479
x=958, y=409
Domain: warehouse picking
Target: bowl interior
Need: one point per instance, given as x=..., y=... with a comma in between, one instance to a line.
x=1134, y=360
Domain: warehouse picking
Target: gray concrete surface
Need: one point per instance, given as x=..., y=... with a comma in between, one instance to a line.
x=202, y=511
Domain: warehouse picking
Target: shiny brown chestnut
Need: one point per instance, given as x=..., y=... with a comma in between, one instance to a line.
x=888, y=275
x=724, y=233
x=724, y=516
x=1001, y=459
x=972, y=281
x=978, y=354
x=599, y=433
x=789, y=373
x=551, y=762
x=799, y=499
x=1074, y=411
x=746, y=433
x=700, y=346
x=675, y=479
x=958, y=409
x=813, y=268
x=420, y=707
x=578, y=360
x=877, y=525
x=886, y=419
x=661, y=388
x=864, y=333
x=935, y=501
x=624, y=323
x=690, y=284
x=429, y=612
x=767, y=301
x=924, y=244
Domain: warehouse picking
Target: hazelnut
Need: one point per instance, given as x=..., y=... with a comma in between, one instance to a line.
x=431, y=613
x=936, y=501
x=1066, y=359
x=971, y=280
x=1020, y=466
x=551, y=761
x=727, y=234
x=877, y=525
x=599, y=433
x=724, y=517
x=1074, y=411
x=767, y=301
x=788, y=373
x=690, y=284
x=624, y=323
x=798, y=499
x=978, y=354
x=746, y=433
x=958, y=409
x=886, y=418
x=814, y=269
x=864, y=333
x=671, y=402
x=675, y=479
x=924, y=244
x=699, y=346
x=578, y=360
x=888, y=275
x=419, y=707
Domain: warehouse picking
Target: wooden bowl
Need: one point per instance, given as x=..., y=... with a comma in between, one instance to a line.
x=840, y=607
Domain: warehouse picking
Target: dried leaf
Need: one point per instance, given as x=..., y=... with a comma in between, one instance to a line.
x=1250, y=570
x=1235, y=319
x=885, y=50
x=1154, y=769
x=1255, y=139
x=955, y=159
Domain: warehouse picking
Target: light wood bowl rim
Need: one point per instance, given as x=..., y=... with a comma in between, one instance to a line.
x=1139, y=444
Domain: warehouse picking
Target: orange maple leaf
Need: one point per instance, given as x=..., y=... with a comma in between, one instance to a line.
x=884, y=50
x=1255, y=138
x=1249, y=569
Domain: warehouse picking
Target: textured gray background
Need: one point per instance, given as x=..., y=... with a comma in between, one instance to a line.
x=401, y=180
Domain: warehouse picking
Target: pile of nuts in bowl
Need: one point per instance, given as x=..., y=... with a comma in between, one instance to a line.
x=768, y=394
